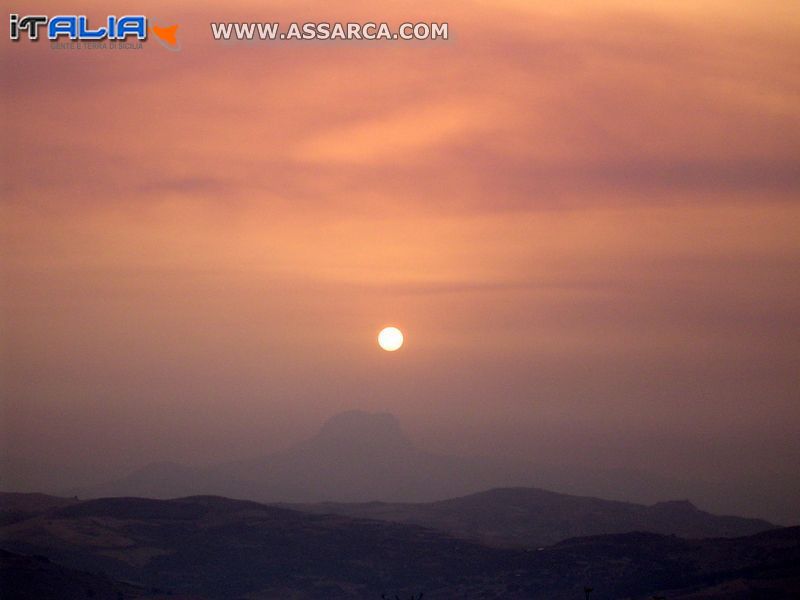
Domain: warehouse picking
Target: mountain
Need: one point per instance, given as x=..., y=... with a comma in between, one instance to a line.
x=533, y=517
x=217, y=548
x=358, y=457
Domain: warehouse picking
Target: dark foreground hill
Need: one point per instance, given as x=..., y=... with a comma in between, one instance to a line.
x=215, y=548
x=534, y=517
x=37, y=578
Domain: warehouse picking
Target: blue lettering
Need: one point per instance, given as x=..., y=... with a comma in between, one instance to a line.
x=63, y=25
x=85, y=33
x=131, y=25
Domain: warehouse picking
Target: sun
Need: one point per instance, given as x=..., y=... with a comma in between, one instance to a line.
x=390, y=338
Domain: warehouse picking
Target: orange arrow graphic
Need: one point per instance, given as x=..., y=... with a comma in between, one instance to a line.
x=166, y=34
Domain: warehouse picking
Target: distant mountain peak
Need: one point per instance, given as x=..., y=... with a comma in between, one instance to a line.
x=361, y=428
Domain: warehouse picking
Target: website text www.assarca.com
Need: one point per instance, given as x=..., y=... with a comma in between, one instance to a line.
x=265, y=31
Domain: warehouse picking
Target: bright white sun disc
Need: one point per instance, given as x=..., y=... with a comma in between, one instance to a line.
x=390, y=338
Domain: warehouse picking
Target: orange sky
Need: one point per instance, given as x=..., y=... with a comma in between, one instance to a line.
x=584, y=218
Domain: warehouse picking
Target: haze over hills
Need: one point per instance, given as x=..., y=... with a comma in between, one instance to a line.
x=534, y=517
x=356, y=456
x=215, y=548
x=361, y=457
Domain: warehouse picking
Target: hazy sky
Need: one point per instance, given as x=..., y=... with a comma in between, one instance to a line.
x=585, y=219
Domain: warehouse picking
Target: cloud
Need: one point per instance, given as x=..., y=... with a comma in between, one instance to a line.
x=526, y=109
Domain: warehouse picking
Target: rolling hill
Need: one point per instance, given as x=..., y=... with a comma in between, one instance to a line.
x=216, y=548
x=534, y=517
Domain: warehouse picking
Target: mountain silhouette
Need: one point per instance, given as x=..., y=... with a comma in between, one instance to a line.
x=359, y=456
x=359, y=431
x=355, y=456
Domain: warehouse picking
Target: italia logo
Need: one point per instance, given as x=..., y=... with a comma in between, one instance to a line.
x=77, y=27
